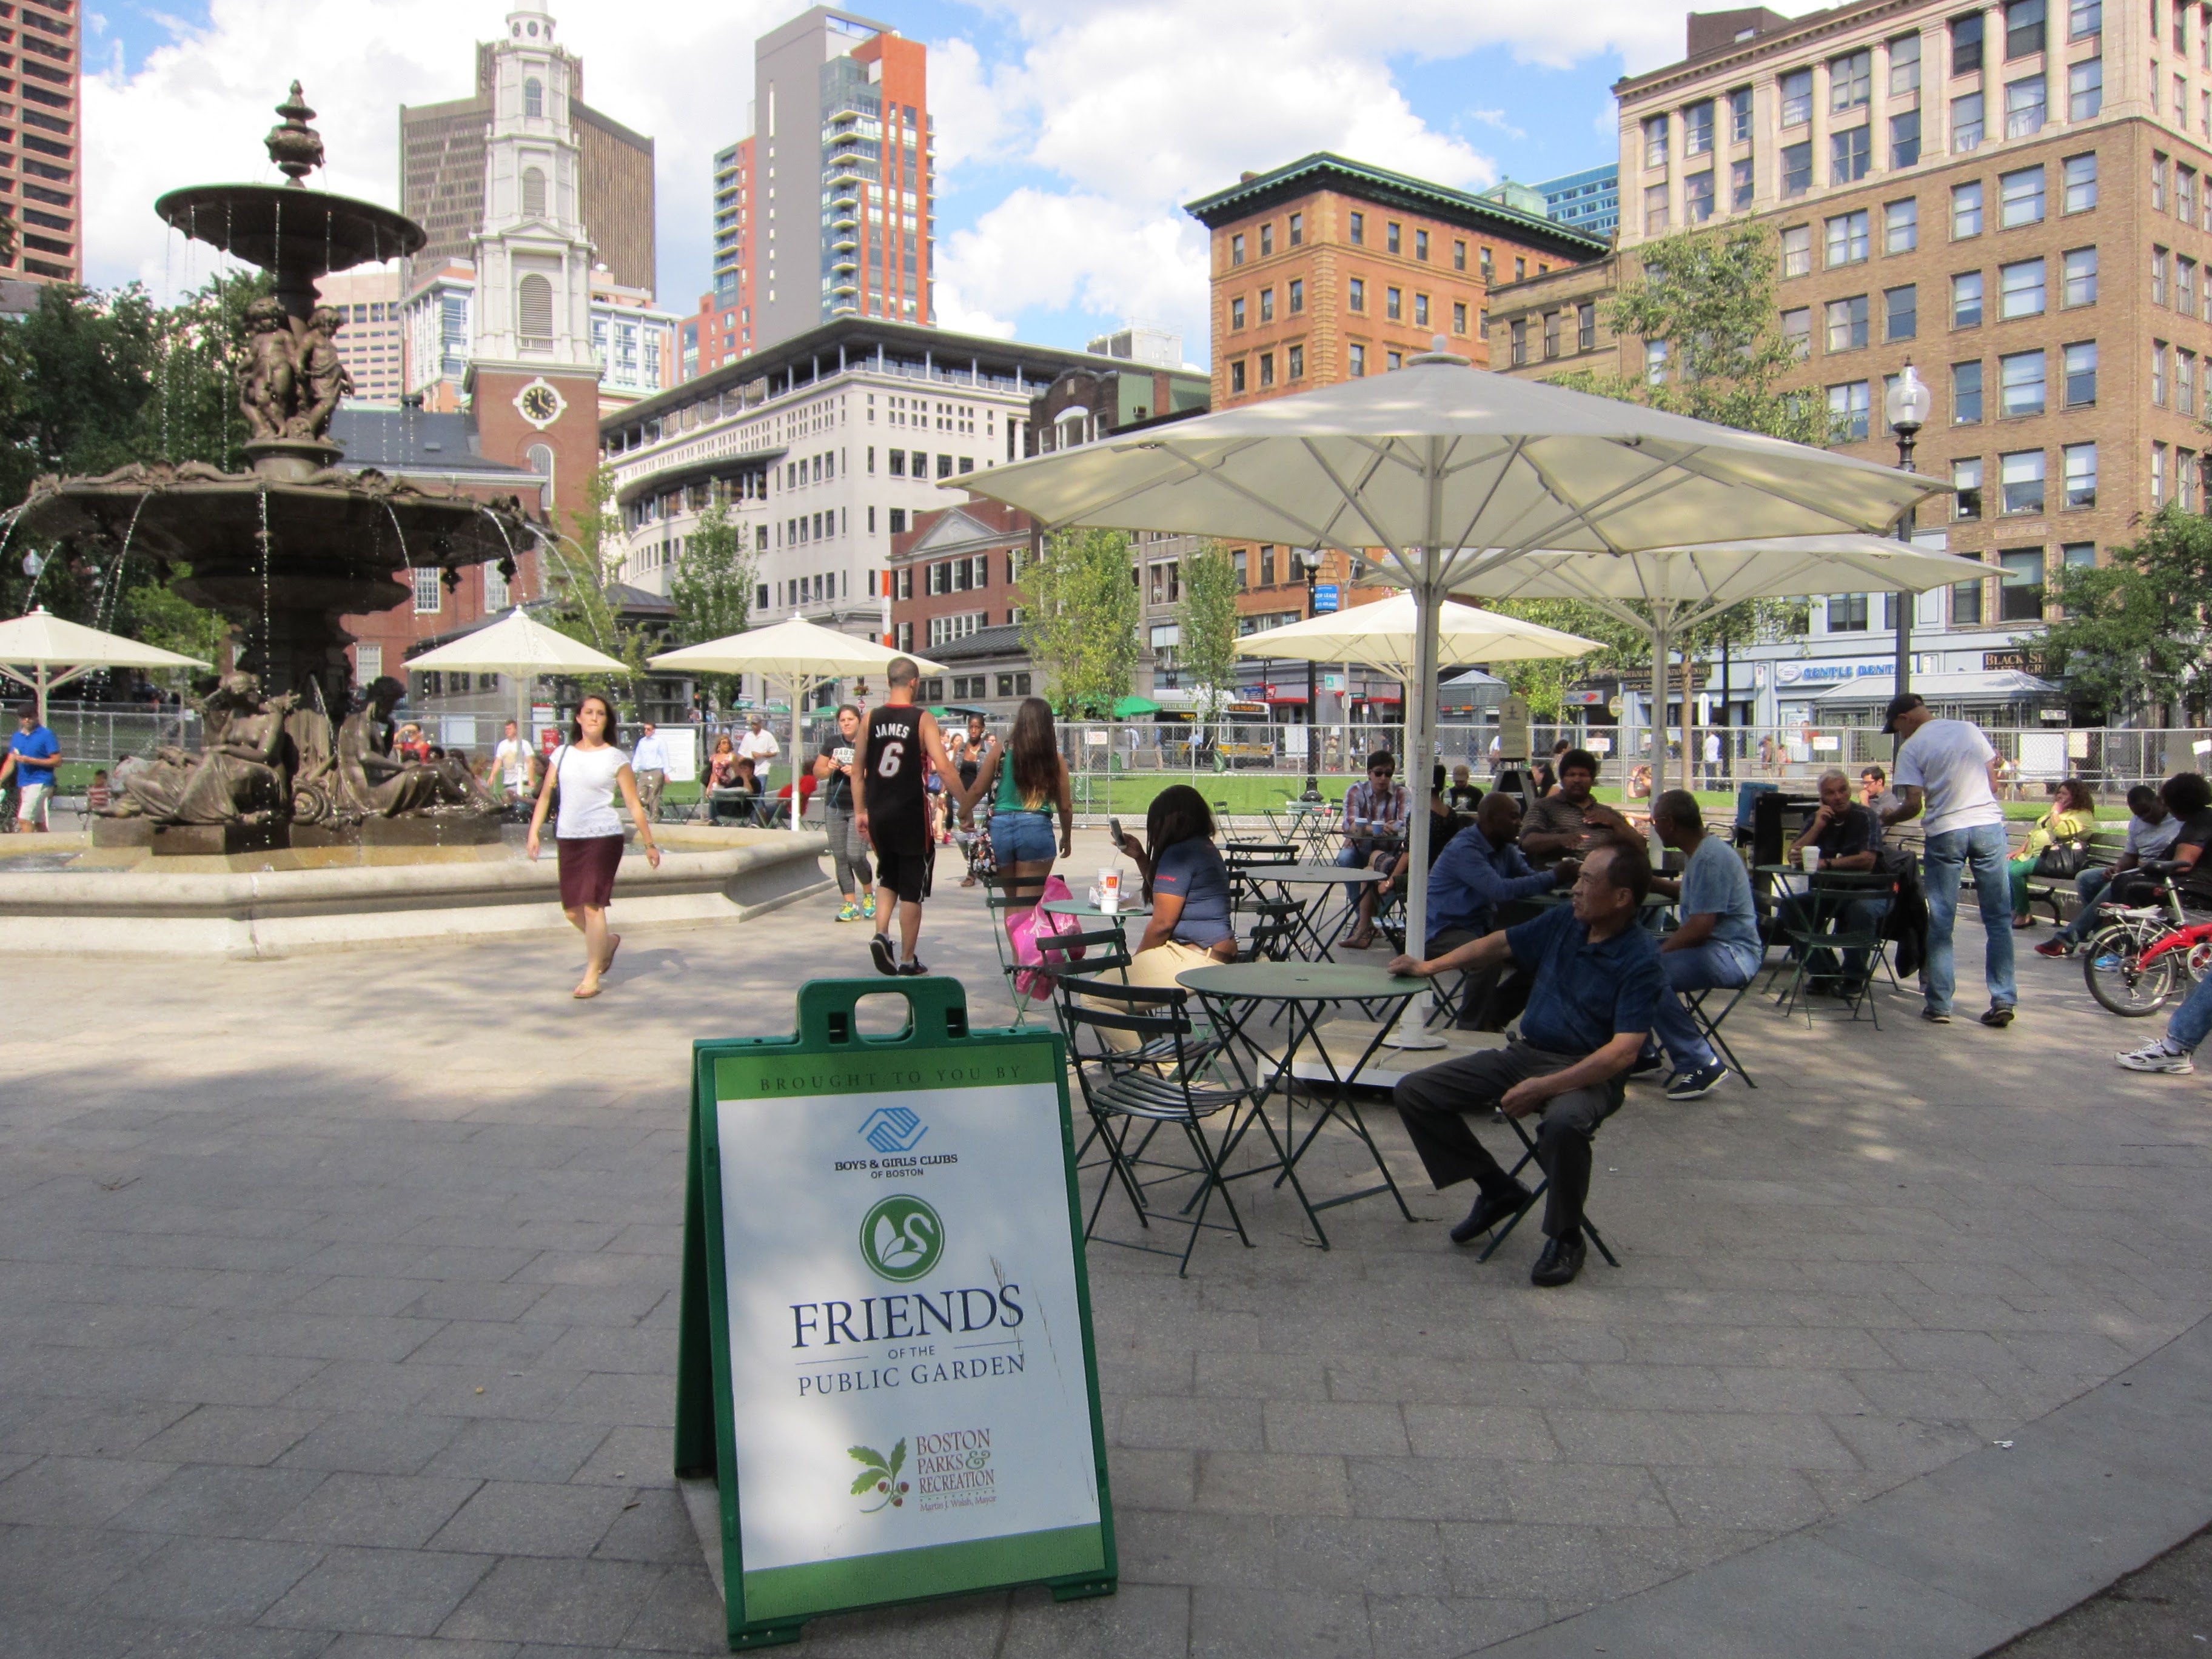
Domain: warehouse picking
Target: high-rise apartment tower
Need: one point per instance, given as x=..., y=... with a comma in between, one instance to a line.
x=40, y=146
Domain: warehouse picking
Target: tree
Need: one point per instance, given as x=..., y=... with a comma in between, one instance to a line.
x=1207, y=653
x=1081, y=625
x=582, y=570
x=2135, y=631
x=714, y=588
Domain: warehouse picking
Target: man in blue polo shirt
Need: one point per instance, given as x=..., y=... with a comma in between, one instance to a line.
x=33, y=755
x=1479, y=872
x=1596, y=981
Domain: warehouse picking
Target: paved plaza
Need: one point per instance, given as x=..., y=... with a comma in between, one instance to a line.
x=338, y=1316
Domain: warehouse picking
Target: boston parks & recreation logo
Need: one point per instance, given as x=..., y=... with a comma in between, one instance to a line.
x=902, y=1238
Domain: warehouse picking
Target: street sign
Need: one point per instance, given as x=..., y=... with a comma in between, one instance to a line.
x=885, y=1359
x=1325, y=597
x=1513, y=728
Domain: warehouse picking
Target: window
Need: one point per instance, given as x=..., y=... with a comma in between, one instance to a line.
x=1267, y=368
x=1904, y=139
x=1796, y=169
x=1847, y=323
x=2078, y=554
x=1966, y=121
x=1739, y=103
x=2185, y=195
x=1298, y=295
x=1796, y=250
x=2019, y=593
x=1267, y=239
x=2158, y=474
x=1966, y=394
x=1654, y=209
x=2020, y=481
x=1297, y=363
x=1967, y=480
x=2027, y=103
x=1966, y=45
x=1459, y=256
x=2180, y=103
x=2185, y=478
x=1848, y=237
x=2023, y=28
x=1459, y=316
x=1489, y=267
x=1237, y=312
x=897, y=458
x=1356, y=294
x=1697, y=196
x=2161, y=266
x=1586, y=326
x=1394, y=304
x=1850, y=81
x=1358, y=359
x=1236, y=376
x=533, y=304
x=1904, y=65
x=429, y=596
x=2185, y=287
x=1847, y=411
x=1266, y=305
x=2157, y=357
x=1966, y=211
x=1797, y=331
x=1900, y=309
x=2081, y=470
x=2080, y=359
x=1900, y=226
x=2084, y=89
x=1520, y=269
x=1421, y=244
x=533, y=192
x=2084, y=18
x=1520, y=333
x=1392, y=237
x=2079, y=173
x=1797, y=98
x=2081, y=265
x=1359, y=230
x=1654, y=363
x=1850, y=155
x=1740, y=185
x=1298, y=229
x=1966, y=603
x=2158, y=169
x=2019, y=381
x=533, y=99
x=2020, y=199
x=1966, y=300
x=2020, y=289
x=1847, y=613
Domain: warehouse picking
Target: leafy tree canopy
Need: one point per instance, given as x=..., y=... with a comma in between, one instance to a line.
x=2135, y=631
x=1081, y=624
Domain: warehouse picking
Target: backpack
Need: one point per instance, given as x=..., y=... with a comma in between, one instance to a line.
x=1029, y=932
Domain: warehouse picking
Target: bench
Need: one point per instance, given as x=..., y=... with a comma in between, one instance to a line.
x=2106, y=847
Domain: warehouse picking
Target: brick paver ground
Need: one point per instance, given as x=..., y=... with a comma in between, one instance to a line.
x=338, y=1317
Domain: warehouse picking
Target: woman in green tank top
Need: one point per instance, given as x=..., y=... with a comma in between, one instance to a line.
x=1032, y=781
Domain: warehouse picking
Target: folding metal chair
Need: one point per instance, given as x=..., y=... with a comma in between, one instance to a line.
x=1133, y=1093
x=1709, y=1024
x=1814, y=923
x=1498, y=1235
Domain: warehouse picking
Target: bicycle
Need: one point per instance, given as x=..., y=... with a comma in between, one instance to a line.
x=2134, y=963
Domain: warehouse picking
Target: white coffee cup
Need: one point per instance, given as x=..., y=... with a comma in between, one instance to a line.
x=1810, y=857
x=1109, y=889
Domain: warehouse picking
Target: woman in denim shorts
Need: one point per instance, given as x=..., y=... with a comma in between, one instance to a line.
x=1032, y=781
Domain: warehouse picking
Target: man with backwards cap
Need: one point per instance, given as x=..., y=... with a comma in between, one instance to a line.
x=1948, y=769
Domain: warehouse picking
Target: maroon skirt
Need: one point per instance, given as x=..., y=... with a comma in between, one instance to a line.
x=589, y=864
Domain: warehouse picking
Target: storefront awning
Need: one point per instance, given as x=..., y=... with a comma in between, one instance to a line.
x=1974, y=685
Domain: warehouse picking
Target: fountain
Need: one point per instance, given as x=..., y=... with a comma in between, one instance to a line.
x=295, y=826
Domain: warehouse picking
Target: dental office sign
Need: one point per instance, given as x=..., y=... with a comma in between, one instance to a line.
x=1829, y=673
x=886, y=1357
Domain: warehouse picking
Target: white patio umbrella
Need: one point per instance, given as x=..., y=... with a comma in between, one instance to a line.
x=1450, y=472
x=32, y=648
x=1663, y=591
x=1385, y=635
x=800, y=653
x=523, y=648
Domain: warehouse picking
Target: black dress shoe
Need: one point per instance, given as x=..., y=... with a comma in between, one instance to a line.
x=1488, y=1212
x=1558, y=1264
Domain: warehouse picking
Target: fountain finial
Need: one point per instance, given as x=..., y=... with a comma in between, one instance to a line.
x=295, y=147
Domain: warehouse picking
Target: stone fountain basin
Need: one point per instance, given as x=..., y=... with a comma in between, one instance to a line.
x=285, y=907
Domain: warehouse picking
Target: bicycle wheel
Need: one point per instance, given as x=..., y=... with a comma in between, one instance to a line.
x=2111, y=963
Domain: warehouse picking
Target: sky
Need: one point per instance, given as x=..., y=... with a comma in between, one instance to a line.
x=1068, y=136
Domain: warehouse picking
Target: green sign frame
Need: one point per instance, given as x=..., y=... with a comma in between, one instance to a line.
x=936, y=1053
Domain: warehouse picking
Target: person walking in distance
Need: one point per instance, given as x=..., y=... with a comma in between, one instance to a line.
x=890, y=806
x=649, y=760
x=586, y=771
x=511, y=763
x=1948, y=769
x=1032, y=783
x=848, y=853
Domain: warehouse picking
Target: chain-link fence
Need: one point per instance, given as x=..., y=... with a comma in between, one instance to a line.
x=103, y=733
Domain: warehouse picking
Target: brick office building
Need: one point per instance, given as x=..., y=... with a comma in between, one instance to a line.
x=956, y=598
x=1329, y=270
x=2017, y=199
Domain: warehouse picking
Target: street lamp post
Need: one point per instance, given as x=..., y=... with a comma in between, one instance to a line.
x=1309, y=561
x=1907, y=403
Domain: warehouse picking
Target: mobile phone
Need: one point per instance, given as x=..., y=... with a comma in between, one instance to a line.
x=1114, y=828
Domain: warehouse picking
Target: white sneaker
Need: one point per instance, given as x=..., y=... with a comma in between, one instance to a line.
x=2160, y=1056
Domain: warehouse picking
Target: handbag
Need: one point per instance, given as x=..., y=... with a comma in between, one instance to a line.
x=1029, y=932
x=2063, y=860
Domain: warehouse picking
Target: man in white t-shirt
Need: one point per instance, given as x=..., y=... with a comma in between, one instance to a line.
x=759, y=746
x=511, y=763
x=1947, y=769
x=649, y=763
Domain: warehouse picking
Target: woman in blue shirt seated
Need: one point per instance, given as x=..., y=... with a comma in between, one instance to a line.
x=1186, y=883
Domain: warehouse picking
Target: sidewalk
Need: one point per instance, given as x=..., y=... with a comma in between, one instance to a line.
x=336, y=1316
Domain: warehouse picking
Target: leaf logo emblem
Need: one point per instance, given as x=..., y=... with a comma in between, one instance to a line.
x=902, y=1238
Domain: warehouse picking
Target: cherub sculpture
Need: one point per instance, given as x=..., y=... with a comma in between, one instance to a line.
x=321, y=379
x=270, y=385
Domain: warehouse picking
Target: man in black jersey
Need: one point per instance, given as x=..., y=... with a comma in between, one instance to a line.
x=891, y=808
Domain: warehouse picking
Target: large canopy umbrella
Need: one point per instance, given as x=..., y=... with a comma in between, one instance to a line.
x=1662, y=593
x=524, y=649
x=32, y=648
x=1386, y=636
x=1449, y=473
x=801, y=654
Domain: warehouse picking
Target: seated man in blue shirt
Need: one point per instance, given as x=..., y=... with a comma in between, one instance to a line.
x=1596, y=982
x=1717, y=945
x=1482, y=871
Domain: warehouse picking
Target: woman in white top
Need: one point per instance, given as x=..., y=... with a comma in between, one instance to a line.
x=586, y=770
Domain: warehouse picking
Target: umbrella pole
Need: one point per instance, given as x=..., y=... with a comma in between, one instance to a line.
x=1658, y=722
x=1421, y=714
x=799, y=687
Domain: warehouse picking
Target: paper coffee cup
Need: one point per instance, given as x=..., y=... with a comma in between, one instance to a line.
x=1810, y=857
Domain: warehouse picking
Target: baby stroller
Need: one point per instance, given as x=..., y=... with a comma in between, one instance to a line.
x=983, y=863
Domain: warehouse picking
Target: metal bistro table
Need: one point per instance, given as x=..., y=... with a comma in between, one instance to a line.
x=1235, y=992
x=1312, y=941
x=1084, y=911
